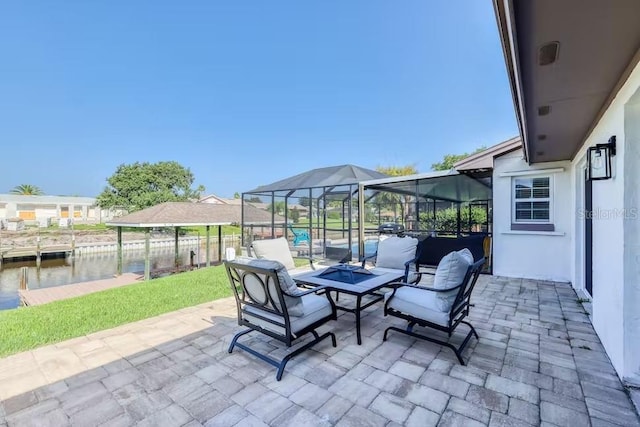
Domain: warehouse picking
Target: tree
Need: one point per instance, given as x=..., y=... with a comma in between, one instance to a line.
x=295, y=215
x=450, y=159
x=389, y=199
x=236, y=195
x=304, y=201
x=277, y=208
x=398, y=170
x=27, y=190
x=447, y=219
x=141, y=185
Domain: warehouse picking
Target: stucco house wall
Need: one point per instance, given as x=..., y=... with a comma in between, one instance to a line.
x=616, y=232
x=559, y=255
x=543, y=255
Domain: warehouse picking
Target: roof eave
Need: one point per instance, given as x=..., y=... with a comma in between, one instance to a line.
x=414, y=177
x=162, y=224
x=505, y=20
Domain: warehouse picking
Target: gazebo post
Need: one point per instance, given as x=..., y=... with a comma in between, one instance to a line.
x=176, y=253
x=147, y=254
x=219, y=243
x=208, y=251
x=119, y=245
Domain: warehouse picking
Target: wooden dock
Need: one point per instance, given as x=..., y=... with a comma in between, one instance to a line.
x=46, y=295
x=34, y=252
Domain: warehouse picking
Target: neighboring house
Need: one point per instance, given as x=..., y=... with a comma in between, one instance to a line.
x=212, y=198
x=574, y=72
x=34, y=209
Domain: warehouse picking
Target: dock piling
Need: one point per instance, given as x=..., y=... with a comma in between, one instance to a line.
x=24, y=278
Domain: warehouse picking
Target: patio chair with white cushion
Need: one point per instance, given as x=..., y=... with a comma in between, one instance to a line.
x=269, y=302
x=443, y=306
x=396, y=254
x=276, y=250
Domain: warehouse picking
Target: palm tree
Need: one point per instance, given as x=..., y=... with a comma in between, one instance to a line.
x=27, y=190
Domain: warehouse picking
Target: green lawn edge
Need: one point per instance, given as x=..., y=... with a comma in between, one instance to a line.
x=27, y=328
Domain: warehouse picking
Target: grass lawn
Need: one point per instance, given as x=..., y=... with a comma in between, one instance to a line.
x=30, y=327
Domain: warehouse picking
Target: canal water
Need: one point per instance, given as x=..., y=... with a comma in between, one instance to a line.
x=83, y=268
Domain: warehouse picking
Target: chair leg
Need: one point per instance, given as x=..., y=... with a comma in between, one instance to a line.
x=457, y=350
x=308, y=345
x=280, y=365
x=472, y=328
x=235, y=338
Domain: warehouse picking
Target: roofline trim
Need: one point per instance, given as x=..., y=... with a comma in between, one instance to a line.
x=162, y=224
x=635, y=60
x=415, y=177
x=497, y=150
x=506, y=27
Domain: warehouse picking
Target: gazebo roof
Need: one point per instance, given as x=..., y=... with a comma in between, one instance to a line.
x=332, y=176
x=178, y=214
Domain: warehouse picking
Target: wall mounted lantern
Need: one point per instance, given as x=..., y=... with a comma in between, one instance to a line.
x=599, y=160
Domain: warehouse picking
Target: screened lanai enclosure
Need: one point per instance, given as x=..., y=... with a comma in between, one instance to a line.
x=447, y=203
x=318, y=211
x=451, y=208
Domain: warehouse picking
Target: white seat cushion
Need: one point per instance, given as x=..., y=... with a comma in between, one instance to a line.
x=274, y=249
x=451, y=272
x=315, y=307
x=419, y=303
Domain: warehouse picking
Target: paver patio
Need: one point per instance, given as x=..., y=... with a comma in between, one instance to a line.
x=538, y=362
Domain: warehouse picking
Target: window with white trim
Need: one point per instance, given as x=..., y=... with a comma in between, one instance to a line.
x=532, y=203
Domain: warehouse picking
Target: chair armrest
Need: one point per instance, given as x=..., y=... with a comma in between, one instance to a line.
x=411, y=261
x=308, y=258
x=364, y=259
x=307, y=292
x=427, y=288
x=431, y=273
x=407, y=265
x=397, y=285
x=424, y=288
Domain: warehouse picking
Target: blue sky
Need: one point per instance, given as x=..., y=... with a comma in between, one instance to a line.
x=245, y=92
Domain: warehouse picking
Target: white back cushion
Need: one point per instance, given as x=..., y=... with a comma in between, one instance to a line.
x=287, y=285
x=274, y=249
x=395, y=251
x=466, y=254
x=450, y=272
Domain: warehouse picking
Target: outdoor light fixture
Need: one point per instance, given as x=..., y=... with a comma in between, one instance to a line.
x=599, y=160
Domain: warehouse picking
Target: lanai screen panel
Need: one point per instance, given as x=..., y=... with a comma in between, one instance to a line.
x=440, y=202
x=316, y=209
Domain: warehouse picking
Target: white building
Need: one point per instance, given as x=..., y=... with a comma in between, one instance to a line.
x=574, y=71
x=34, y=209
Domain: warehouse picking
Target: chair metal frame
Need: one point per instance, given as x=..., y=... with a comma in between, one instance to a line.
x=236, y=273
x=459, y=311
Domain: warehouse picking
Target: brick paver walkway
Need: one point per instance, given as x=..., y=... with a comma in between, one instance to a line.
x=538, y=362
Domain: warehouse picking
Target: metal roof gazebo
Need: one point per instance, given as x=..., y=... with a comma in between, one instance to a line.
x=183, y=214
x=319, y=204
